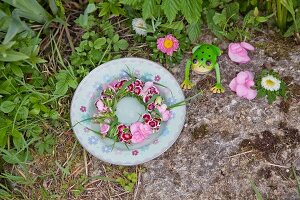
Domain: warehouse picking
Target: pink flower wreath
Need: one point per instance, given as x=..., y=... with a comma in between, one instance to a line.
x=147, y=93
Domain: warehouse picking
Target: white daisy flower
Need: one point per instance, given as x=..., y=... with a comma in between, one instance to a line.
x=270, y=83
x=139, y=26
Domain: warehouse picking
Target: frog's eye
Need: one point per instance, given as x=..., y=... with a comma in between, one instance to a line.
x=208, y=63
x=195, y=61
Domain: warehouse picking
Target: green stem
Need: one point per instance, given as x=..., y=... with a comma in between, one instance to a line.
x=181, y=103
x=269, y=6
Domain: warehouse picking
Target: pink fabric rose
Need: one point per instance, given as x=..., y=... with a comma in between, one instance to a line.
x=166, y=114
x=104, y=128
x=242, y=84
x=237, y=52
x=139, y=132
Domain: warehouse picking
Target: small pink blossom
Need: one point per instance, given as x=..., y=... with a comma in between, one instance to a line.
x=153, y=90
x=119, y=84
x=104, y=128
x=237, y=52
x=157, y=78
x=147, y=98
x=167, y=44
x=121, y=128
x=139, y=132
x=151, y=106
x=130, y=87
x=137, y=90
x=155, y=141
x=146, y=117
x=242, y=84
x=100, y=106
x=166, y=114
x=154, y=123
x=82, y=108
x=125, y=137
x=138, y=82
x=135, y=152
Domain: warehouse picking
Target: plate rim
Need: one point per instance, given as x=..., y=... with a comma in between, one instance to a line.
x=168, y=146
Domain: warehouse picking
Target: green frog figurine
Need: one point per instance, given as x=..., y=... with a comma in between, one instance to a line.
x=204, y=60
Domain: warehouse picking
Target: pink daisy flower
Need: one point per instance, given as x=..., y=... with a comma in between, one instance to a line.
x=167, y=44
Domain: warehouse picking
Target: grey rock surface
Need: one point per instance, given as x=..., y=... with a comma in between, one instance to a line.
x=212, y=158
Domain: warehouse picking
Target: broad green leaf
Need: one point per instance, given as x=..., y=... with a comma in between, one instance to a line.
x=122, y=44
x=13, y=157
x=219, y=19
x=194, y=31
x=148, y=8
x=261, y=93
x=15, y=27
x=99, y=42
x=30, y=9
x=65, y=80
x=53, y=6
x=7, y=106
x=231, y=11
x=191, y=10
x=115, y=38
x=104, y=9
x=90, y=8
x=17, y=70
x=6, y=87
x=61, y=88
x=12, y=56
x=84, y=19
x=131, y=2
x=3, y=137
x=211, y=25
x=23, y=113
x=35, y=111
x=170, y=8
x=261, y=19
x=18, y=139
x=174, y=25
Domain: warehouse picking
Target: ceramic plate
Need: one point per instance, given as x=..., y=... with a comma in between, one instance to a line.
x=83, y=107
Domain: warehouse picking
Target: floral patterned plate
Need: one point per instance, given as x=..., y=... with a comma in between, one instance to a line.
x=83, y=108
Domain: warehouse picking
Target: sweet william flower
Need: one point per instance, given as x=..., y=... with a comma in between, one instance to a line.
x=237, y=52
x=167, y=44
x=242, y=84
